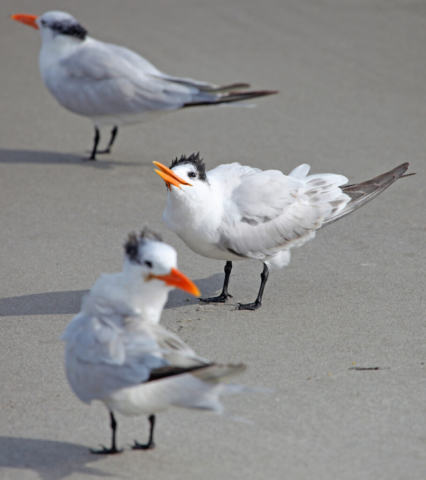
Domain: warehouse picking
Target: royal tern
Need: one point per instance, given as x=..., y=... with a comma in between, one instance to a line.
x=116, y=352
x=236, y=212
x=113, y=85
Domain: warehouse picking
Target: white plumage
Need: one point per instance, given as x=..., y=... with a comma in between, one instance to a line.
x=110, y=84
x=251, y=213
x=116, y=352
x=236, y=212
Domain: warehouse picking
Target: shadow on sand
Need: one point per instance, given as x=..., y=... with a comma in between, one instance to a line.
x=51, y=460
x=34, y=157
x=69, y=302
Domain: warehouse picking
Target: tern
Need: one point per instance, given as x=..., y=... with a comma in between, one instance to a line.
x=116, y=352
x=112, y=85
x=236, y=212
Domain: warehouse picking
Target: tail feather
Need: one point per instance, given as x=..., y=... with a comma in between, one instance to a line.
x=201, y=86
x=362, y=193
x=232, y=97
x=212, y=372
x=217, y=372
x=171, y=371
x=227, y=88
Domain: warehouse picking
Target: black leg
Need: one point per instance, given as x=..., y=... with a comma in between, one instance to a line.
x=114, y=132
x=150, y=445
x=113, y=449
x=223, y=297
x=257, y=304
x=95, y=144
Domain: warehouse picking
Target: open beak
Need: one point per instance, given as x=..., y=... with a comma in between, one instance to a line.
x=27, y=19
x=177, y=279
x=169, y=176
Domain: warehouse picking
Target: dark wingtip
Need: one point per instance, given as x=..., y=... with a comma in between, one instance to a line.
x=364, y=192
x=406, y=165
x=257, y=93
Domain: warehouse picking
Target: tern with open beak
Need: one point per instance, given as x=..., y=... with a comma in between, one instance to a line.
x=112, y=85
x=236, y=212
x=116, y=352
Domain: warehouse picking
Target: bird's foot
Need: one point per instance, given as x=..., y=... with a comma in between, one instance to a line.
x=143, y=446
x=222, y=298
x=103, y=152
x=106, y=451
x=92, y=158
x=249, y=306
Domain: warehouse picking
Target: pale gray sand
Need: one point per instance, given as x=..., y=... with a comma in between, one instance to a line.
x=352, y=81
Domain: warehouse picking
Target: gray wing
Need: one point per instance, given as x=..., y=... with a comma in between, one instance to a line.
x=101, y=356
x=268, y=211
x=362, y=193
x=102, y=79
x=175, y=350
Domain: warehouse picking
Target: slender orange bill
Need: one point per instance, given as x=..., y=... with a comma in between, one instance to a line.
x=177, y=279
x=29, y=20
x=169, y=176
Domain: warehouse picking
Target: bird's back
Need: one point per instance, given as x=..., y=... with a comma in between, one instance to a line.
x=261, y=213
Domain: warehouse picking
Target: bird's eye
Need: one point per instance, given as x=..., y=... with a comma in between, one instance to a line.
x=43, y=23
x=148, y=264
x=192, y=174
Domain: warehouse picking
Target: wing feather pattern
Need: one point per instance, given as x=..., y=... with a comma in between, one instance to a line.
x=99, y=79
x=267, y=211
x=101, y=357
x=362, y=193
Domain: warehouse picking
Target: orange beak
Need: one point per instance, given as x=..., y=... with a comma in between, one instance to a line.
x=27, y=19
x=169, y=176
x=177, y=279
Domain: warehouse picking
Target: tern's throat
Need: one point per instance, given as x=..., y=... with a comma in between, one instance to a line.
x=55, y=49
x=145, y=297
x=191, y=208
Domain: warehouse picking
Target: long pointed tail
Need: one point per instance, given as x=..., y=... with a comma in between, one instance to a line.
x=362, y=193
x=212, y=372
x=232, y=97
x=218, y=372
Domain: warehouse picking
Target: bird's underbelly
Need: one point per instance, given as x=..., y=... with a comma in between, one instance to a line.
x=139, y=400
x=126, y=119
x=204, y=246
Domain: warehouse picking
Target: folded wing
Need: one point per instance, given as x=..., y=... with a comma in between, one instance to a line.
x=268, y=212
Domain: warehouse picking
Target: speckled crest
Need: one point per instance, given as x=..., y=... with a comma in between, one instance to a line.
x=131, y=247
x=193, y=159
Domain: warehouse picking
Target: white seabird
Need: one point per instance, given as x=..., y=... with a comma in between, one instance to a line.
x=236, y=212
x=112, y=85
x=116, y=352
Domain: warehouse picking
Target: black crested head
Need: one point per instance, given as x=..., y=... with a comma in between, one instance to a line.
x=131, y=247
x=193, y=159
x=68, y=27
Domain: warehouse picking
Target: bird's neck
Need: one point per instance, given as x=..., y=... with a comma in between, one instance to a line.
x=57, y=48
x=189, y=210
x=146, y=298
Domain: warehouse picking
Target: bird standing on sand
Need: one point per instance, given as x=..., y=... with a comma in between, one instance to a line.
x=236, y=212
x=112, y=85
x=116, y=352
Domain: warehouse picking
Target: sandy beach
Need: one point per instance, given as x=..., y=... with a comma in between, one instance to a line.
x=351, y=76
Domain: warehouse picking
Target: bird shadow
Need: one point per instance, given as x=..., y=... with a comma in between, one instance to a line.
x=51, y=460
x=34, y=157
x=69, y=302
x=49, y=303
x=208, y=287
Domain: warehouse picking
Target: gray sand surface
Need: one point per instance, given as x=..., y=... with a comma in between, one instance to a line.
x=351, y=75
